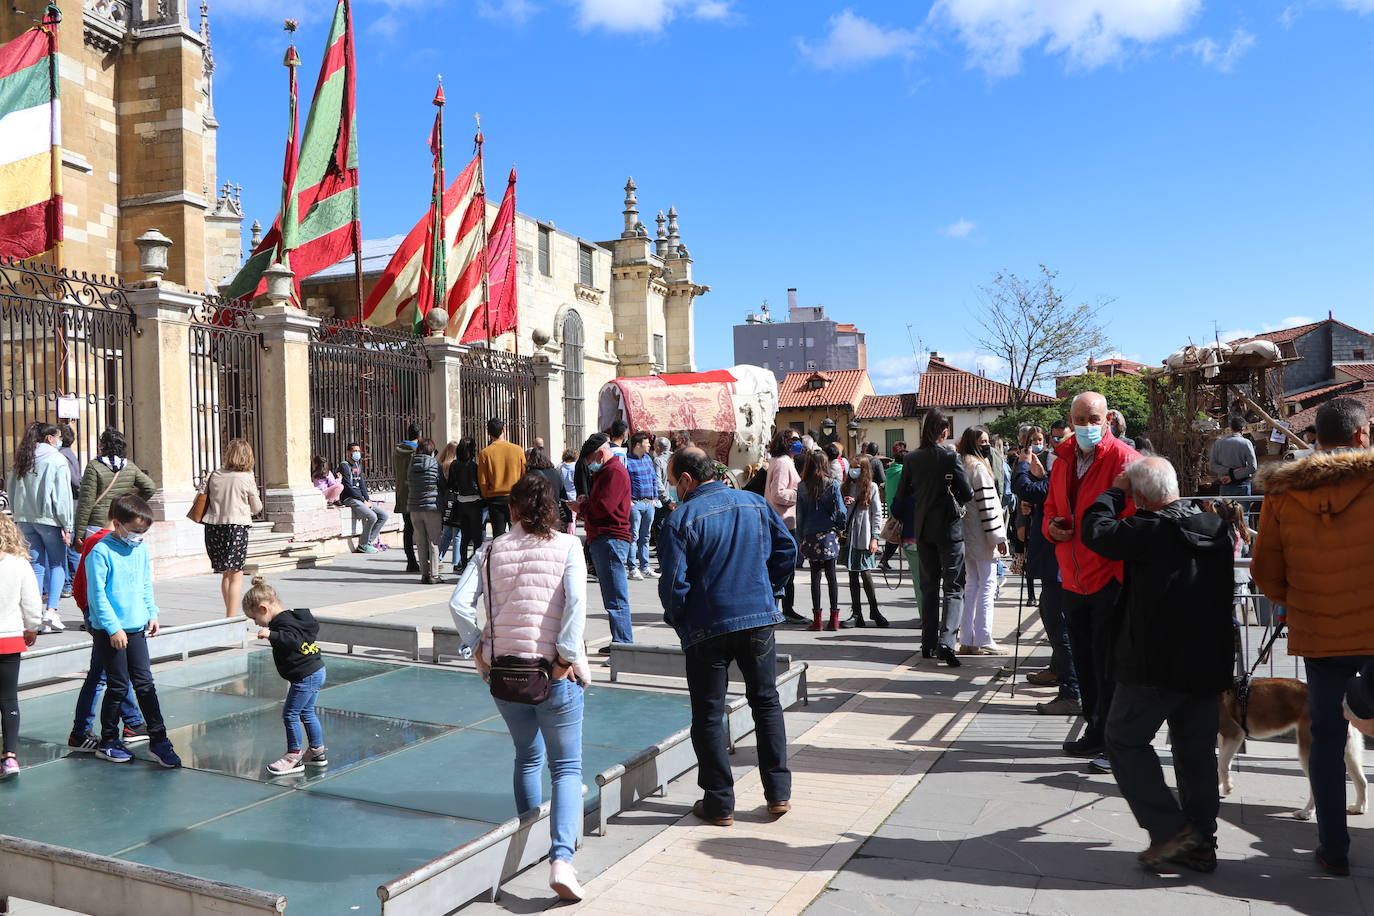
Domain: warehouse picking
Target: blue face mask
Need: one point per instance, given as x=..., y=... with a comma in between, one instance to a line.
x=1088, y=436
x=796, y=447
x=594, y=466
x=854, y=473
x=1037, y=449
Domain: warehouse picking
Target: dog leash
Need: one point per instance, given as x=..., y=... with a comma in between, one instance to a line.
x=1242, y=683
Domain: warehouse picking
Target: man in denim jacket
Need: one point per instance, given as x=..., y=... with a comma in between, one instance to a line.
x=725, y=556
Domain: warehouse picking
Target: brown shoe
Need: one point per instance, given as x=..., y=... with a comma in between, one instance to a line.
x=778, y=809
x=1043, y=678
x=725, y=820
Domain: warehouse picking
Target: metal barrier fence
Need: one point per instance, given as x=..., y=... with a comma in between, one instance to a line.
x=493, y=384
x=226, y=383
x=65, y=348
x=366, y=386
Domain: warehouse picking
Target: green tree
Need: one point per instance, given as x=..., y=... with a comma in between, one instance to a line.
x=1126, y=393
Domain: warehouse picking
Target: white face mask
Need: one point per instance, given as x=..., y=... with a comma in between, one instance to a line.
x=133, y=538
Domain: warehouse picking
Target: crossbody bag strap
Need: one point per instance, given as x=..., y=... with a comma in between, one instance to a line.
x=491, y=609
x=113, y=481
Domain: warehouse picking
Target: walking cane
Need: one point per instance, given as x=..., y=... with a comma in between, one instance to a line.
x=1020, y=607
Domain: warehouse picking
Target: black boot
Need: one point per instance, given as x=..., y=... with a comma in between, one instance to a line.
x=855, y=619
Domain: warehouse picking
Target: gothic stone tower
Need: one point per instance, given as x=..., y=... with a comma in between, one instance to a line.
x=138, y=136
x=652, y=293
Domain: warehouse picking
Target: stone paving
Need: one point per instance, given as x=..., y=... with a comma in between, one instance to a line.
x=919, y=789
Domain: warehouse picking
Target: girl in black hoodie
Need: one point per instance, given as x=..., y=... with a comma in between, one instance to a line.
x=292, y=635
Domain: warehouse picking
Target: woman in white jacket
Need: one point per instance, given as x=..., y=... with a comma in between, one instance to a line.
x=21, y=615
x=985, y=537
x=534, y=581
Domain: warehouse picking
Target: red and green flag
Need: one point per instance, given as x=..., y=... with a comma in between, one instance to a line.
x=322, y=210
x=30, y=140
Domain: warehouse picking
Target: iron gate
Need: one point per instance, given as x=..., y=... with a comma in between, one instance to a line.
x=65, y=348
x=493, y=384
x=226, y=384
x=366, y=386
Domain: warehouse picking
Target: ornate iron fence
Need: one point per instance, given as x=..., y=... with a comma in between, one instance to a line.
x=366, y=386
x=493, y=384
x=226, y=383
x=65, y=356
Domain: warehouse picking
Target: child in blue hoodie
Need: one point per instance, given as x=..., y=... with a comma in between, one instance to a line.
x=119, y=587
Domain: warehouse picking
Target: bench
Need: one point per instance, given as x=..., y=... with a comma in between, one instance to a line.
x=447, y=642
x=401, y=637
x=56, y=662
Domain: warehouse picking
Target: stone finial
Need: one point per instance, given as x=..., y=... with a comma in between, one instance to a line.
x=674, y=240
x=640, y=231
x=631, y=210
x=661, y=240
x=256, y=238
x=280, y=287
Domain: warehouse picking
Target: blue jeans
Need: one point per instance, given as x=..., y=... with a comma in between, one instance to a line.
x=1327, y=679
x=1236, y=489
x=610, y=557
x=641, y=522
x=89, y=695
x=48, y=557
x=552, y=729
x=708, y=662
x=449, y=539
x=300, y=707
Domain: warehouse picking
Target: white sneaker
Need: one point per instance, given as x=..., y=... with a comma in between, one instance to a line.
x=563, y=880
x=650, y=573
x=55, y=622
x=636, y=575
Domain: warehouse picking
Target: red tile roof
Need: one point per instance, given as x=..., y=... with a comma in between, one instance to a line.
x=1287, y=334
x=840, y=389
x=1124, y=366
x=942, y=385
x=1304, y=418
x=1362, y=371
x=1325, y=393
x=887, y=407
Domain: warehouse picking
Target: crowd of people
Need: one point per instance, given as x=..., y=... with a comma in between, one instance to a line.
x=1091, y=520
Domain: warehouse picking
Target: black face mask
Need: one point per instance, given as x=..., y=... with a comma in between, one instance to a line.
x=985, y=451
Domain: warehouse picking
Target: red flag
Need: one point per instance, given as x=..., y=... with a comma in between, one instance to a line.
x=499, y=313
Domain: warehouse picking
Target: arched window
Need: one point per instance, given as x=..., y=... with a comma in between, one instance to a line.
x=573, y=398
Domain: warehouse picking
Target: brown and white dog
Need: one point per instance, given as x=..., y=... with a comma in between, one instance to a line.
x=1277, y=706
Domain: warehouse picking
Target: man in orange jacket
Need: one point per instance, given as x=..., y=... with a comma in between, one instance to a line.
x=1312, y=556
x=1085, y=465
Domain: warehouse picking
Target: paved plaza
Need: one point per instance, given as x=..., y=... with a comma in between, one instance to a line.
x=918, y=789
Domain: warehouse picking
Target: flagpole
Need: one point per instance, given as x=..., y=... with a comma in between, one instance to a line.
x=55, y=136
x=479, y=140
x=441, y=237
x=290, y=61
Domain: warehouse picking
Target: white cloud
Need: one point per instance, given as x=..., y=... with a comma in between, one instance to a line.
x=993, y=367
x=1223, y=59
x=959, y=229
x=1290, y=15
x=1358, y=6
x=894, y=374
x=1292, y=321
x=854, y=40
x=646, y=15
x=1091, y=33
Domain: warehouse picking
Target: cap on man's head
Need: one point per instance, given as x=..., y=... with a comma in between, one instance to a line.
x=593, y=445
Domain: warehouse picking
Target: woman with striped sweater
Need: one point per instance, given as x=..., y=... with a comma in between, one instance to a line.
x=985, y=537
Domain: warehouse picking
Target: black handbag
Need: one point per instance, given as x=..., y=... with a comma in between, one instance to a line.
x=514, y=678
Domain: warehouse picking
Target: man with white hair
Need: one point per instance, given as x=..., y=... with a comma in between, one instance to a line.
x=1172, y=656
x=1118, y=422
x=1085, y=465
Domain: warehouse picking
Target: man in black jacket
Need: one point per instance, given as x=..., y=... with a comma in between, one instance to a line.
x=1173, y=656
x=930, y=495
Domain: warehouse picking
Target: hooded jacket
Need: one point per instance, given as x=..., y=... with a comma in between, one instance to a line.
x=1082, y=570
x=43, y=496
x=292, y=635
x=425, y=486
x=1174, y=629
x=400, y=465
x=1312, y=554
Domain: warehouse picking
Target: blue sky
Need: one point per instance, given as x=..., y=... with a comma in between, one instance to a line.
x=1193, y=163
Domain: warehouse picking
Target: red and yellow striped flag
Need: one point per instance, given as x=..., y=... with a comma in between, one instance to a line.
x=30, y=139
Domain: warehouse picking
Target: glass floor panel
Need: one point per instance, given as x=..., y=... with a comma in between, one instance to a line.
x=244, y=744
x=464, y=774
x=420, y=763
x=49, y=718
x=254, y=675
x=101, y=807
x=327, y=855
x=419, y=694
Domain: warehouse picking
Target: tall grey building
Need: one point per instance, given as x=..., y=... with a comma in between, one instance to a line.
x=806, y=340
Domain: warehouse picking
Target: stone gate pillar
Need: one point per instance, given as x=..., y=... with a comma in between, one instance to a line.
x=548, y=406
x=291, y=500
x=444, y=397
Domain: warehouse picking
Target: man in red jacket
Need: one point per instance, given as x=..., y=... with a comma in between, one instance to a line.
x=1086, y=464
x=606, y=514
